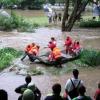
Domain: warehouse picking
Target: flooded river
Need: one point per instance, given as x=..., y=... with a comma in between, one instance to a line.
x=9, y=80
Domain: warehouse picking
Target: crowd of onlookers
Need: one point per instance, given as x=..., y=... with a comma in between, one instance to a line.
x=74, y=90
x=55, y=17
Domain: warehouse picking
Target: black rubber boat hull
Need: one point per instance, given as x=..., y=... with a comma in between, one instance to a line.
x=51, y=63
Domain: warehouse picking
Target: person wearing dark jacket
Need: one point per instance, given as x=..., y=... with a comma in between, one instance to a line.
x=82, y=96
x=56, y=93
x=36, y=91
x=21, y=88
x=3, y=95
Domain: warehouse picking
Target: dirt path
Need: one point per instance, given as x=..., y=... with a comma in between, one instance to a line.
x=88, y=38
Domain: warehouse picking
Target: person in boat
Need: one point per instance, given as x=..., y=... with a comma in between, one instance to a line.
x=76, y=48
x=33, y=53
x=52, y=43
x=68, y=43
x=27, y=49
x=55, y=55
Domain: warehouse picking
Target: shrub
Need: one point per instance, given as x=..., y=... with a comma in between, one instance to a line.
x=7, y=55
x=89, y=57
x=90, y=23
x=15, y=22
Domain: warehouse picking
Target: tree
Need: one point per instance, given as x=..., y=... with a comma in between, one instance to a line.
x=52, y=1
x=8, y=3
x=32, y=4
x=69, y=20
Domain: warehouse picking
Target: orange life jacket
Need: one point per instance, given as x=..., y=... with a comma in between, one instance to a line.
x=56, y=53
x=28, y=48
x=34, y=50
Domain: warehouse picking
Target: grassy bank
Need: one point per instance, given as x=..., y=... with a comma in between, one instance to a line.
x=88, y=58
x=39, y=20
x=22, y=24
x=6, y=56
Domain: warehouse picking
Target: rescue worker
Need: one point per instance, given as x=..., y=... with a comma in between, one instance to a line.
x=68, y=43
x=55, y=55
x=76, y=48
x=27, y=49
x=33, y=53
x=52, y=43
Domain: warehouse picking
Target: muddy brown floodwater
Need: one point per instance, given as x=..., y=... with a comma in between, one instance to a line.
x=89, y=38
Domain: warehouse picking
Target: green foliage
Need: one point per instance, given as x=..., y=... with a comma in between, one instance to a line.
x=15, y=22
x=7, y=55
x=90, y=23
x=8, y=3
x=52, y=1
x=38, y=21
x=32, y=4
x=89, y=58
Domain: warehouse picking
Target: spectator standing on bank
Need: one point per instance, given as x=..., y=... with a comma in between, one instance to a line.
x=21, y=88
x=3, y=95
x=97, y=93
x=73, y=84
x=35, y=90
x=82, y=96
x=96, y=10
x=56, y=88
x=59, y=17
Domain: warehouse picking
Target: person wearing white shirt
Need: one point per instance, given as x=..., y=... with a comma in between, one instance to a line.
x=73, y=83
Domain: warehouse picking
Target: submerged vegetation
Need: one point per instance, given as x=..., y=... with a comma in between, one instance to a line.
x=89, y=58
x=7, y=55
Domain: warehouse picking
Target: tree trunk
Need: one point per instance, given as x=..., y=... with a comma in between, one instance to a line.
x=82, y=8
x=76, y=13
x=72, y=18
x=65, y=16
